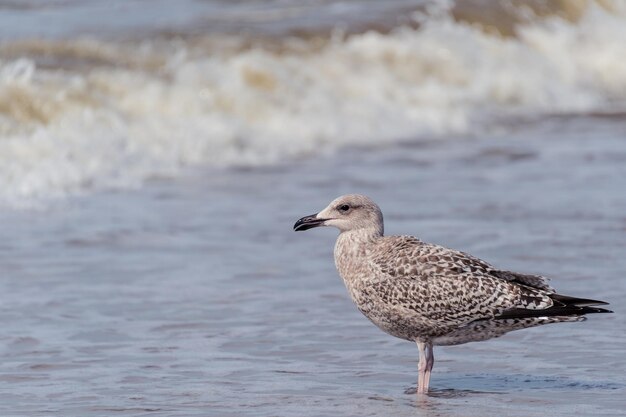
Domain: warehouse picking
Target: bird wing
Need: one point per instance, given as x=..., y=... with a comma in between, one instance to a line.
x=416, y=255
x=447, y=286
x=534, y=281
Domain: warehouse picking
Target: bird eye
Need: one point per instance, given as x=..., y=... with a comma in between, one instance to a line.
x=344, y=208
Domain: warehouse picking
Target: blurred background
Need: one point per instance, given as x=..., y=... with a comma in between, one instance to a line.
x=155, y=154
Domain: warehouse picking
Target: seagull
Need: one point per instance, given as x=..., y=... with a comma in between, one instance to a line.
x=432, y=295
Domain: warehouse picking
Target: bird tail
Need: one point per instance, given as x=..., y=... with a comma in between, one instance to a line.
x=563, y=306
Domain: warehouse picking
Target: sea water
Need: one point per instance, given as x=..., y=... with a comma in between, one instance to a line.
x=149, y=188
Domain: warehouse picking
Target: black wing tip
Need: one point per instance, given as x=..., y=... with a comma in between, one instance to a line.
x=564, y=305
x=566, y=300
x=598, y=310
x=562, y=311
x=582, y=310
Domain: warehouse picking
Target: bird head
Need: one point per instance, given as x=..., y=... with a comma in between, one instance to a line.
x=347, y=213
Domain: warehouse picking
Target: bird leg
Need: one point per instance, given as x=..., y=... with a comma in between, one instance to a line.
x=424, y=366
x=421, y=367
x=430, y=361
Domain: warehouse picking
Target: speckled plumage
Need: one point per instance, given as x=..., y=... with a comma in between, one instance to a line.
x=419, y=291
x=430, y=294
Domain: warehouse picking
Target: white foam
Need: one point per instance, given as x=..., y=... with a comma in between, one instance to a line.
x=63, y=131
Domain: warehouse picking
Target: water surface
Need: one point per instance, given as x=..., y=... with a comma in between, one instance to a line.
x=193, y=297
x=155, y=155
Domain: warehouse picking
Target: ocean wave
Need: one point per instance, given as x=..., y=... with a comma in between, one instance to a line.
x=83, y=114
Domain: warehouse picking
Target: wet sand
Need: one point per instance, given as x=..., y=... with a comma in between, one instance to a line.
x=193, y=297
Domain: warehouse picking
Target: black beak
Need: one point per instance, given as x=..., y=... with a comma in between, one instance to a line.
x=308, y=222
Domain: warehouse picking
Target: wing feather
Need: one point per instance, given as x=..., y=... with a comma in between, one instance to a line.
x=447, y=286
x=534, y=281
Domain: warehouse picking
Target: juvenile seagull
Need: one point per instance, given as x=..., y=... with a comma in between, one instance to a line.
x=430, y=294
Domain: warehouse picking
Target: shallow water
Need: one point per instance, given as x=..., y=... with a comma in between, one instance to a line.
x=193, y=297
x=153, y=160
